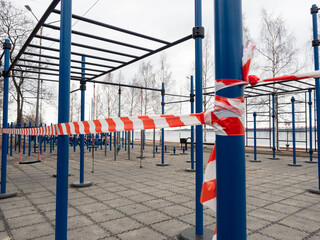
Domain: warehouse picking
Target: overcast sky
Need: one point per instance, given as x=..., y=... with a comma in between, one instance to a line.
x=171, y=20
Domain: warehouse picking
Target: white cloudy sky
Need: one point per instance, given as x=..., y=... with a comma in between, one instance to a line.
x=171, y=20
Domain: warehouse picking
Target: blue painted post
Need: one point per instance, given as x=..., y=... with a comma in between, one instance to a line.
x=45, y=141
x=15, y=140
x=101, y=140
x=11, y=136
x=310, y=128
x=63, y=116
x=156, y=148
x=19, y=139
x=51, y=140
x=231, y=178
x=255, y=138
x=4, y=150
x=132, y=139
x=40, y=140
x=35, y=141
x=162, y=130
x=24, y=140
x=192, y=127
x=199, y=109
x=81, y=182
x=143, y=138
x=165, y=148
x=294, y=159
x=273, y=129
x=54, y=140
x=110, y=134
x=174, y=150
x=315, y=44
x=29, y=148
x=122, y=140
x=125, y=141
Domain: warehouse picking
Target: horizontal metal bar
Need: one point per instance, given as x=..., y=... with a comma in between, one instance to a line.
x=75, y=90
x=100, y=38
x=74, y=61
x=57, y=64
x=88, y=47
x=35, y=78
x=50, y=69
x=146, y=55
x=114, y=28
x=40, y=23
x=182, y=101
x=176, y=95
x=77, y=54
x=45, y=73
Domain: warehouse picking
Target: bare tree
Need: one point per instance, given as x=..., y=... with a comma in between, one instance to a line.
x=131, y=98
x=15, y=26
x=146, y=78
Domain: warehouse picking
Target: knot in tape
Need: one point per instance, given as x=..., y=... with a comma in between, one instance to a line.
x=253, y=79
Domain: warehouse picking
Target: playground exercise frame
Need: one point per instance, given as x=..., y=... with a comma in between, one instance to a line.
x=231, y=197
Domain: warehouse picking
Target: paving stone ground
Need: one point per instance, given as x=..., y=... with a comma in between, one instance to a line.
x=128, y=202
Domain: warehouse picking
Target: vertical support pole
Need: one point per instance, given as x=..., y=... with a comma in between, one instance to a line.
x=11, y=136
x=199, y=128
x=24, y=140
x=29, y=147
x=35, y=141
x=315, y=44
x=273, y=129
x=105, y=144
x=231, y=174
x=255, y=138
x=310, y=128
x=81, y=182
x=4, y=150
x=129, y=136
x=192, y=127
x=294, y=159
x=125, y=140
x=110, y=134
x=40, y=140
x=51, y=140
x=115, y=147
x=132, y=138
x=63, y=116
x=19, y=137
x=154, y=144
x=45, y=141
x=15, y=140
x=162, y=130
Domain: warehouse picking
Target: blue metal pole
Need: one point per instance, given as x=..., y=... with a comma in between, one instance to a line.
x=143, y=138
x=315, y=43
x=19, y=137
x=15, y=140
x=293, y=133
x=122, y=140
x=192, y=127
x=132, y=139
x=255, y=135
x=6, y=47
x=310, y=125
x=35, y=141
x=110, y=134
x=199, y=109
x=40, y=140
x=231, y=185
x=11, y=136
x=162, y=130
x=125, y=141
x=24, y=140
x=273, y=128
x=29, y=147
x=45, y=142
x=51, y=140
x=54, y=140
x=83, y=103
x=63, y=116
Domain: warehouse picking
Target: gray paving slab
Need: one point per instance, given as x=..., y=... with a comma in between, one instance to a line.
x=128, y=202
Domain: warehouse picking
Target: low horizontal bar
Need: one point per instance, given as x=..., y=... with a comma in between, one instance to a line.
x=182, y=101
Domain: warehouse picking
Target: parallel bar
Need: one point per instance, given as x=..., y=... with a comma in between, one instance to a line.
x=100, y=38
x=40, y=23
x=87, y=47
x=147, y=55
x=114, y=28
